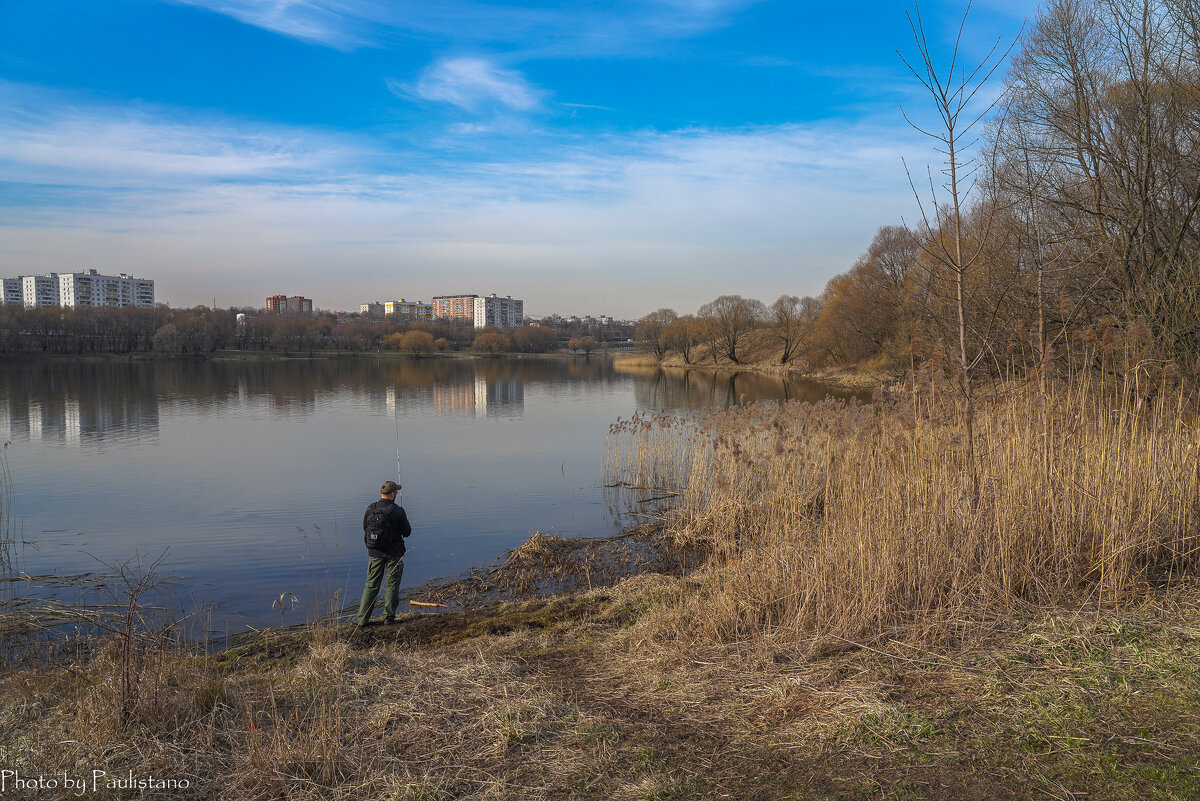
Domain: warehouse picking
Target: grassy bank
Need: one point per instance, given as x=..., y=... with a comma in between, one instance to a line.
x=851, y=522
x=869, y=615
x=861, y=377
x=597, y=696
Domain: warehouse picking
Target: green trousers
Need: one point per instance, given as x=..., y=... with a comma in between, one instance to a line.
x=376, y=567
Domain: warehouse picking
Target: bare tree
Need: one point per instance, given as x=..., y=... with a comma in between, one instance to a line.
x=683, y=335
x=729, y=319
x=953, y=93
x=1105, y=95
x=650, y=331
x=789, y=320
x=866, y=310
x=535, y=339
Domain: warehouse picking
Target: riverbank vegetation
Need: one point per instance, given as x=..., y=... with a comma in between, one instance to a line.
x=202, y=330
x=610, y=694
x=846, y=522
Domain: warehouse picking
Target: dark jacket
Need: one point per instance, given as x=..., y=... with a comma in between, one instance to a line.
x=397, y=527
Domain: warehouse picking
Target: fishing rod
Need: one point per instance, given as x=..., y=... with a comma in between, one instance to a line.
x=396, y=419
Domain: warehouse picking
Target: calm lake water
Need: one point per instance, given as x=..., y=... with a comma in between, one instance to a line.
x=249, y=479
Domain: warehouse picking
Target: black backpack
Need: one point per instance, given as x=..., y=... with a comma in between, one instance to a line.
x=375, y=526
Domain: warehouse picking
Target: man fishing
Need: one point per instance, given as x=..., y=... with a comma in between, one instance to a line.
x=385, y=525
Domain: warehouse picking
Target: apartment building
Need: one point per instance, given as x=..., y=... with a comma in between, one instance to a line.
x=454, y=307
x=282, y=304
x=87, y=288
x=10, y=290
x=90, y=288
x=39, y=290
x=409, y=309
x=371, y=309
x=496, y=311
x=479, y=310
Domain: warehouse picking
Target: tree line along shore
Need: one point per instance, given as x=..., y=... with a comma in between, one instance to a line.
x=202, y=330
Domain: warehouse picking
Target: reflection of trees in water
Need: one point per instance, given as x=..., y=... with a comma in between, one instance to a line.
x=87, y=401
x=682, y=390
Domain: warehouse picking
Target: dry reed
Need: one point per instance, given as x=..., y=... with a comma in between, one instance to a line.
x=6, y=513
x=858, y=521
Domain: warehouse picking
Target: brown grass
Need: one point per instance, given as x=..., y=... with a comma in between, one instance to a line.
x=6, y=512
x=857, y=522
x=592, y=696
x=549, y=564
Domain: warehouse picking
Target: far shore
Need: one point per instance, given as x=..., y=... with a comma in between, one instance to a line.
x=852, y=378
x=280, y=355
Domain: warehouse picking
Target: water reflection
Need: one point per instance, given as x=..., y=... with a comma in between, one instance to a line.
x=71, y=404
x=675, y=389
x=88, y=403
x=250, y=476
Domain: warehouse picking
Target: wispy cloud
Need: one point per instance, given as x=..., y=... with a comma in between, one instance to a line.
x=127, y=151
x=342, y=24
x=474, y=84
x=44, y=140
x=587, y=105
x=568, y=29
x=229, y=206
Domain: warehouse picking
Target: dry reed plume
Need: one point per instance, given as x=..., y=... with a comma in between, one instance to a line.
x=852, y=521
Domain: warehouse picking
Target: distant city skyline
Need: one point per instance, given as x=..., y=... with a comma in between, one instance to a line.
x=618, y=157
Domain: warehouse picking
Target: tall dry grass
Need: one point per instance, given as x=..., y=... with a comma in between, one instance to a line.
x=6, y=512
x=857, y=521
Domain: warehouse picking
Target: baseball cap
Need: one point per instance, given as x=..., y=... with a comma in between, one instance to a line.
x=388, y=488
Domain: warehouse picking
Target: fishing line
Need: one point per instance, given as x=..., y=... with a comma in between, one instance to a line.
x=396, y=418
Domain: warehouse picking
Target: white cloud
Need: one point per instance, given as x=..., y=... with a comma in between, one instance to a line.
x=473, y=84
x=627, y=223
x=133, y=151
x=342, y=24
x=45, y=141
x=569, y=30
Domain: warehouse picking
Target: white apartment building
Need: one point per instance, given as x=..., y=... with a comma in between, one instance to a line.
x=10, y=291
x=92, y=289
x=39, y=290
x=500, y=312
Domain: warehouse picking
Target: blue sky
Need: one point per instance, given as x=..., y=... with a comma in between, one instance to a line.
x=591, y=158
